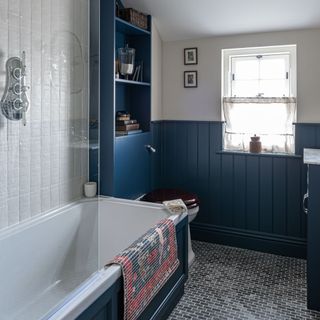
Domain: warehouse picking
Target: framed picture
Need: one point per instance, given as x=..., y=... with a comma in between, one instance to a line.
x=190, y=56
x=191, y=79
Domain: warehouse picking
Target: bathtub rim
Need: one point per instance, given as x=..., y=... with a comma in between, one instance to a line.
x=101, y=280
x=75, y=304
x=37, y=219
x=85, y=294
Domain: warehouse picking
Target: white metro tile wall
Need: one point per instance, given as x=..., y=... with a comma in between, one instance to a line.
x=44, y=164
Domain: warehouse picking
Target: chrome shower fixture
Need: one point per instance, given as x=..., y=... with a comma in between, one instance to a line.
x=14, y=103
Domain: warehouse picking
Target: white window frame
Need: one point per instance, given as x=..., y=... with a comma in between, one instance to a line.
x=235, y=59
x=228, y=54
x=226, y=72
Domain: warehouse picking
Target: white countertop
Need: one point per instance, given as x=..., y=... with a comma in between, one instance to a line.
x=311, y=156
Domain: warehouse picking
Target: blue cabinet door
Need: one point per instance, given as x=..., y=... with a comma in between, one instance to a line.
x=132, y=166
x=314, y=238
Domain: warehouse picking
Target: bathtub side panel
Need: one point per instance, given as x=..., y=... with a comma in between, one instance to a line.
x=168, y=297
x=106, y=306
x=110, y=304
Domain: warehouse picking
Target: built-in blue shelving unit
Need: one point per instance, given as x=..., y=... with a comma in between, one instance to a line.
x=125, y=160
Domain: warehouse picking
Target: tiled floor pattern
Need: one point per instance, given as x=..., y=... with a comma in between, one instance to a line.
x=231, y=283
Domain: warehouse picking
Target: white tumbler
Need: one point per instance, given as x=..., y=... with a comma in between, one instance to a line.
x=90, y=189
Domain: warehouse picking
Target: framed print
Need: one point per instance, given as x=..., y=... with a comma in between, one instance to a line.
x=190, y=56
x=191, y=79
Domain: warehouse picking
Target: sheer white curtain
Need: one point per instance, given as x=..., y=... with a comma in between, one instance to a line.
x=270, y=118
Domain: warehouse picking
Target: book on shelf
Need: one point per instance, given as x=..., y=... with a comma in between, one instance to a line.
x=136, y=74
x=122, y=114
x=123, y=118
x=125, y=122
x=127, y=133
x=128, y=127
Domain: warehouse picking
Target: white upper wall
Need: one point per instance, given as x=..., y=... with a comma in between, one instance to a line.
x=204, y=103
x=190, y=19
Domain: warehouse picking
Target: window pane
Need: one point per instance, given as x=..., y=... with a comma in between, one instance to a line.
x=245, y=68
x=273, y=68
x=274, y=88
x=245, y=88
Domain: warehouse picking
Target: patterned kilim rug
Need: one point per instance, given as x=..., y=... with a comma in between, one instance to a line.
x=146, y=266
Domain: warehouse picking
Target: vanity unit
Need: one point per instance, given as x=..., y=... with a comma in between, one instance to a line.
x=125, y=161
x=312, y=159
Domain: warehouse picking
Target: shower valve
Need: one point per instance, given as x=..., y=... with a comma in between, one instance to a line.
x=14, y=103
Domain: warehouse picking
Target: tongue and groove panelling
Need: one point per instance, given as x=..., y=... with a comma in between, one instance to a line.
x=252, y=201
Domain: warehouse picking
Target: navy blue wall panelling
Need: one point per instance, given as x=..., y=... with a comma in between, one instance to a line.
x=243, y=196
x=313, y=239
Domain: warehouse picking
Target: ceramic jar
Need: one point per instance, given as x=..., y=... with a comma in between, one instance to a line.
x=255, y=145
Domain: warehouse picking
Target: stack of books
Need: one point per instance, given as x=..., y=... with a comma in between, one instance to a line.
x=125, y=125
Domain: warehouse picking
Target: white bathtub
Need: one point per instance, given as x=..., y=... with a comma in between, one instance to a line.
x=53, y=267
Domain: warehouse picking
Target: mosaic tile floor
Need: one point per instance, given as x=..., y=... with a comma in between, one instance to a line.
x=230, y=283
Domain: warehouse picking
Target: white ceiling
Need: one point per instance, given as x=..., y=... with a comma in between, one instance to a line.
x=189, y=19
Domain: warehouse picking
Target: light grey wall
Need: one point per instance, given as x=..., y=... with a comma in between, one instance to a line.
x=204, y=103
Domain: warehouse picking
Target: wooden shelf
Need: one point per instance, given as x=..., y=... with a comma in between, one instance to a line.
x=138, y=83
x=128, y=28
x=133, y=135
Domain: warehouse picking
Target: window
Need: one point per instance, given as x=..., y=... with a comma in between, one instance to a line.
x=259, y=97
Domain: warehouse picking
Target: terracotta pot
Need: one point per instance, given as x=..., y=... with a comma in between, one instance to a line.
x=255, y=145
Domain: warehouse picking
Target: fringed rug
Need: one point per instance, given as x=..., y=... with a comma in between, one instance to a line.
x=146, y=266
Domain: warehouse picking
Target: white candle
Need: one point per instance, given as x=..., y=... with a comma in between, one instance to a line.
x=90, y=189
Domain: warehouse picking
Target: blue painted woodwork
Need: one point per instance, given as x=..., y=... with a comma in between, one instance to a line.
x=110, y=305
x=314, y=239
x=124, y=162
x=107, y=96
x=106, y=307
x=251, y=201
x=140, y=42
x=134, y=98
x=132, y=166
x=127, y=28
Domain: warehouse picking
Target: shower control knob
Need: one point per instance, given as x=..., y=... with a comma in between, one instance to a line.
x=17, y=89
x=17, y=73
x=15, y=103
x=19, y=105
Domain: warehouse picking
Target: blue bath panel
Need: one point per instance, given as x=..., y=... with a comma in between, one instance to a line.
x=110, y=305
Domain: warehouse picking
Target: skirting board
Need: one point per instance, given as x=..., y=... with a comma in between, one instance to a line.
x=280, y=245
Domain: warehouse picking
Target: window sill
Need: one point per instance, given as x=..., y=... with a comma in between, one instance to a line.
x=262, y=154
